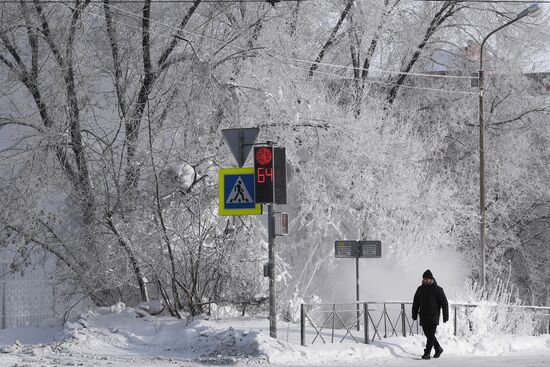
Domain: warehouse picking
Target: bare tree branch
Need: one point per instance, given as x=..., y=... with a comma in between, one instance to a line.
x=446, y=11
x=119, y=85
x=6, y=122
x=126, y=246
x=519, y=117
x=331, y=38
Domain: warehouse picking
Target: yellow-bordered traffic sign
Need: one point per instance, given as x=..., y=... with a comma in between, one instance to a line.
x=236, y=194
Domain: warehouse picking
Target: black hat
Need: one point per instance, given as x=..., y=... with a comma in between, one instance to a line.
x=427, y=274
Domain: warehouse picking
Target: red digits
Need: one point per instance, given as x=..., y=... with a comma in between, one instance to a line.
x=260, y=175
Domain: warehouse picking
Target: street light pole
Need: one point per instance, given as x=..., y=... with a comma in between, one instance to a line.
x=532, y=10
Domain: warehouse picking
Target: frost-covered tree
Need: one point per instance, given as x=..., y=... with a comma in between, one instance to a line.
x=115, y=113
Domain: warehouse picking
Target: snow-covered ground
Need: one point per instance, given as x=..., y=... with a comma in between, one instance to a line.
x=124, y=336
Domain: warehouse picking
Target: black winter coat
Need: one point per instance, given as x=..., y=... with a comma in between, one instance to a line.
x=430, y=299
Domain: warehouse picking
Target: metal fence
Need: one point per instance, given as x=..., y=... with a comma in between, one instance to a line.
x=366, y=321
x=25, y=299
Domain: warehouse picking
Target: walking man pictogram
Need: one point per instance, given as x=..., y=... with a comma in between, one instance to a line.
x=239, y=190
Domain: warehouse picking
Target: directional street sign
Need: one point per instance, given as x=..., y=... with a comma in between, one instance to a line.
x=357, y=249
x=371, y=248
x=240, y=142
x=346, y=249
x=236, y=192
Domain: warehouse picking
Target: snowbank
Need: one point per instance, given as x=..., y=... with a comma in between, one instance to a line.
x=122, y=331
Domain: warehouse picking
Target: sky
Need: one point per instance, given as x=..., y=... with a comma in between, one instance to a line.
x=125, y=336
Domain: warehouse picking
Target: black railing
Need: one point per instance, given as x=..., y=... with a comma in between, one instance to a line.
x=342, y=322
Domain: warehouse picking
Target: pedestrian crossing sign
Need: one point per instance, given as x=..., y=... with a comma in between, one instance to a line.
x=236, y=195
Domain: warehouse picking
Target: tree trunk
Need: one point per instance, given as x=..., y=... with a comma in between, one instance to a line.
x=331, y=38
x=446, y=11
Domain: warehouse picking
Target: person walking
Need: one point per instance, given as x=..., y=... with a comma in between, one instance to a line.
x=429, y=300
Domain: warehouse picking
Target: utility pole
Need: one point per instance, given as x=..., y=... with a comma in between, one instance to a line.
x=532, y=11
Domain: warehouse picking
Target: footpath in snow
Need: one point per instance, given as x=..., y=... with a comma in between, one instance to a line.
x=124, y=336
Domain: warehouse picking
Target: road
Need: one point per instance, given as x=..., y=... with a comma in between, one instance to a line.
x=48, y=356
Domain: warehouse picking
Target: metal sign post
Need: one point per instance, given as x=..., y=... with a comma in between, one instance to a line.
x=4, y=283
x=357, y=249
x=238, y=197
x=271, y=259
x=270, y=188
x=357, y=292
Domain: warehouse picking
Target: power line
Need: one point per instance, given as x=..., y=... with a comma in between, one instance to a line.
x=324, y=64
x=396, y=72
x=391, y=72
x=283, y=56
x=396, y=85
x=164, y=35
x=286, y=58
x=371, y=81
x=488, y=1
x=308, y=61
x=304, y=61
x=68, y=2
x=140, y=16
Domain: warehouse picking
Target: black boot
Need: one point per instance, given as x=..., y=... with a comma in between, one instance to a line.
x=426, y=354
x=438, y=352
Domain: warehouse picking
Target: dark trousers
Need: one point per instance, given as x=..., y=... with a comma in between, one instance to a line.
x=431, y=340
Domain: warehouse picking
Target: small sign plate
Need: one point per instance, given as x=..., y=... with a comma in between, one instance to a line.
x=357, y=249
x=370, y=248
x=346, y=249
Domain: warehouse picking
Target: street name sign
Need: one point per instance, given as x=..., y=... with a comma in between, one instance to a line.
x=354, y=249
x=236, y=194
x=357, y=249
